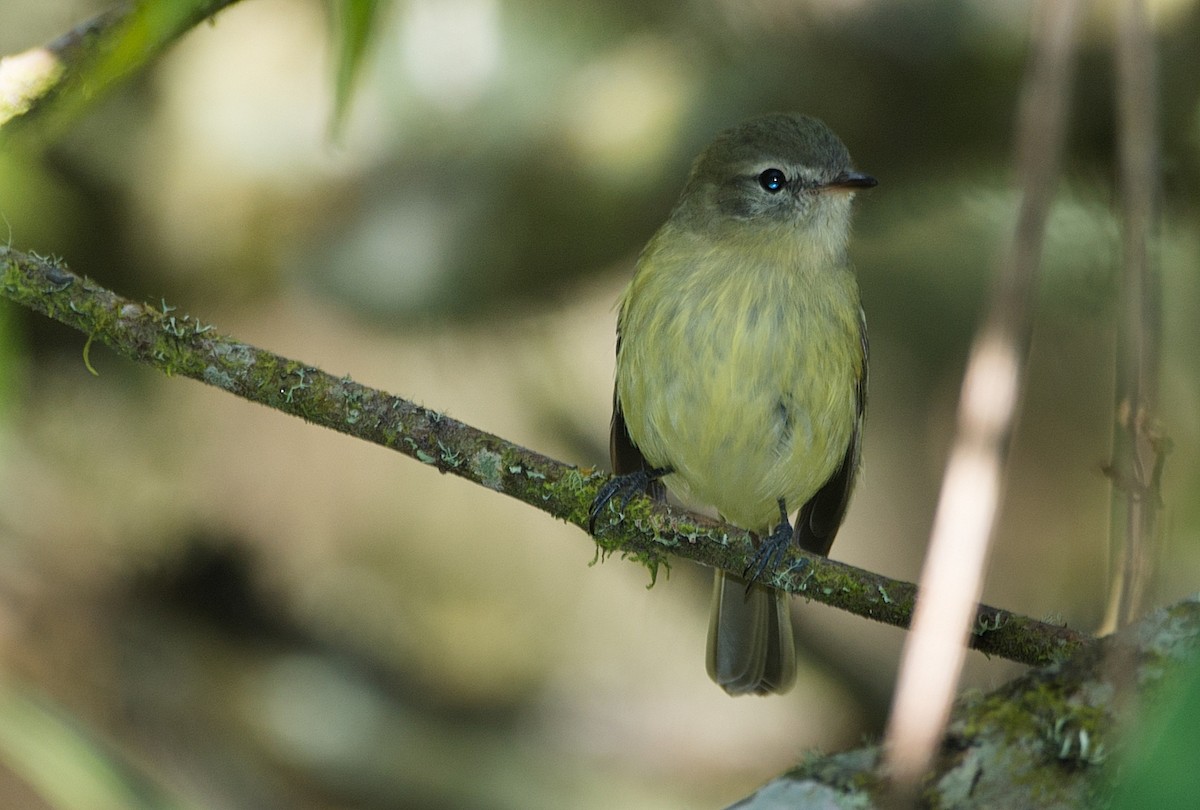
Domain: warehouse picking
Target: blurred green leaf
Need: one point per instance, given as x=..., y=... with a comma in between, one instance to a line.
x=153, y=25
x=1163, y=772
x=66, y=765
x=354, y=25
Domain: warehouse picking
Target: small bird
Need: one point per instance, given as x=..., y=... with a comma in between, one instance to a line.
x=741, y=373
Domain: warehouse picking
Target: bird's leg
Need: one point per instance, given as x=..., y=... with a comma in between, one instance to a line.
x=627, y=485
x=772, y=548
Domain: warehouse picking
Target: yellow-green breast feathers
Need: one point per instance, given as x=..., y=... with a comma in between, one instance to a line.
x=740, y=358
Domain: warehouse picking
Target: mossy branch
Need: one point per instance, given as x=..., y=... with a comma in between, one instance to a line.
x=179, y=344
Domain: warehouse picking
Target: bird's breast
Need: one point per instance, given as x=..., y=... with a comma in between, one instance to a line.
x=741, y=375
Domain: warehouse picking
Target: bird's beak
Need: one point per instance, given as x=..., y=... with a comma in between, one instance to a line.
x=849, y=181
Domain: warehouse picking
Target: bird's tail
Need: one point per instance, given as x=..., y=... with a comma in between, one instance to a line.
x=750, y=645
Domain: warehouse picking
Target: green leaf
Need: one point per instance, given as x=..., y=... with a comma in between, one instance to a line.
x=1162, y=772
x=67, y=765
x=354, y=22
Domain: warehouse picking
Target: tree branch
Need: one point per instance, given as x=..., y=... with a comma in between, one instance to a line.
x=93, y=56
x=178, y=344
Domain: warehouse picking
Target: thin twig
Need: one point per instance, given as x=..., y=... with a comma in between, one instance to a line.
x=972, y=486
x=178, y=344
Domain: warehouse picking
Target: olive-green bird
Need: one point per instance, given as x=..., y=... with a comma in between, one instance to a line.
x=742, y=368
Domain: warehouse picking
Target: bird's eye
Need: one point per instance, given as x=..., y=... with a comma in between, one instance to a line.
x=772, y=181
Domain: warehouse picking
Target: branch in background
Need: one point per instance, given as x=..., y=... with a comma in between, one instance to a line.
x=1138, y=445
x=971, y=489
x=84, y=62
x=178, y=344
x=28, y=77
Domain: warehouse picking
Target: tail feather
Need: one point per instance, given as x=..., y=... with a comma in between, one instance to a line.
x=750, y=644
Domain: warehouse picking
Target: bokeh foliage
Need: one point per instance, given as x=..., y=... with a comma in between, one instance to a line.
x=277, y=612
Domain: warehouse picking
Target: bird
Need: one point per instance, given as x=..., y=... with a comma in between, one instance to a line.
x=741, y=370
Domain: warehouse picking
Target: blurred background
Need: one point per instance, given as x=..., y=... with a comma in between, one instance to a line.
x=262, y=614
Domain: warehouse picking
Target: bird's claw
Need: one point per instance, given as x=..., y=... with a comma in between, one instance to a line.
x=627, y=485
x=771, y=550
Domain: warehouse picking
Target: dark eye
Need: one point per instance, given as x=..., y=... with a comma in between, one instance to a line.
x=772, y=180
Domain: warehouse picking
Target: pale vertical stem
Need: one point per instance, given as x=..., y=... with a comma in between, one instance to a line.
x=952, y=578
x=1136, y=449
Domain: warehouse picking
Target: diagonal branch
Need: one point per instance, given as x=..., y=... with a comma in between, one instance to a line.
x=181, y=345
x=94, y=55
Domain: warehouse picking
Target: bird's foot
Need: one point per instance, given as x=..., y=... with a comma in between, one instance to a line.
x=626, y=485
x=771, y=550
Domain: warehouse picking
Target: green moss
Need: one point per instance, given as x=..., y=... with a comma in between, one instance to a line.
x=575, y=482
x=611, y=536
x=576, y=489
x=1072, y=732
